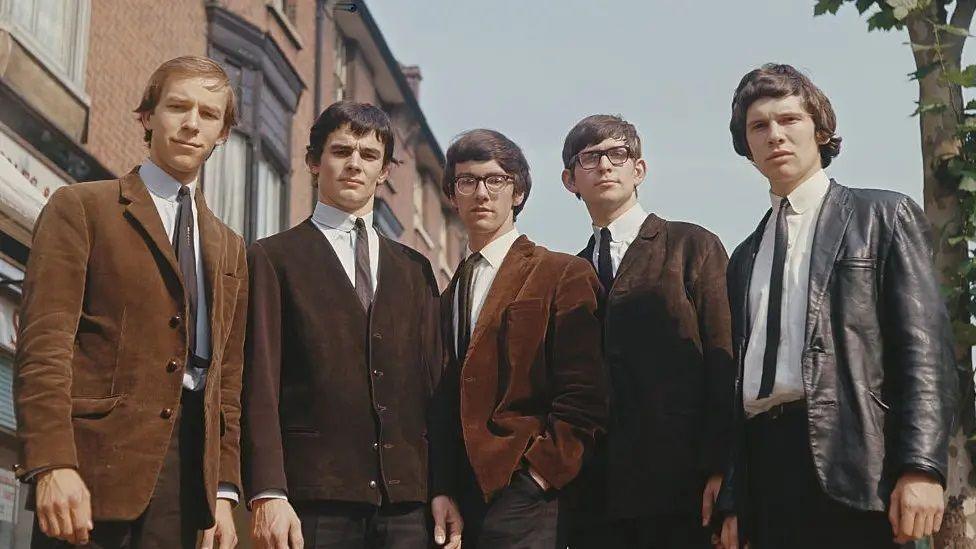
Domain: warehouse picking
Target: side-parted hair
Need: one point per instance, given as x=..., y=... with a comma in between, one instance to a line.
x=362, y=119
x=482, y=145
x=595, y=129
x=188, y=66
x=779, y=81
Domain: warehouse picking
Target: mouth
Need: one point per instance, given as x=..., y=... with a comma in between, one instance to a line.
x=480, y=210
x=606, y=182
x=779, y=154
x=353, y=181
x=186, y=143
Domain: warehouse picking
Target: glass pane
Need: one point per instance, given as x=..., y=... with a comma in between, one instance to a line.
x=268, y=207
x=7, y=418
x=54, y=28
x=225, y=181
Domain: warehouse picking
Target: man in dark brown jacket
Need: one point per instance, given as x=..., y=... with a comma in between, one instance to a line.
x=524, y=393
x=342, y=357
x=128, y=368
x=667, y=342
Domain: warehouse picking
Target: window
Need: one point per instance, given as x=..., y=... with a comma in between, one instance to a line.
x=385, y=220
x=267, y=201
x=225, y=181
x=341, y=72
x=7, y=418
x=56, y=31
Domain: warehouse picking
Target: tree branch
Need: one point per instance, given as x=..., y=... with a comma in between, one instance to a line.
x=962, y=16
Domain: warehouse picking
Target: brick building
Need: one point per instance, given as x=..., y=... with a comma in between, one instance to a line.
x=72, y=71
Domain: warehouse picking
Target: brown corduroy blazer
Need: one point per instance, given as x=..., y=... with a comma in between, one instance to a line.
x=102, y=344
x=532, y=389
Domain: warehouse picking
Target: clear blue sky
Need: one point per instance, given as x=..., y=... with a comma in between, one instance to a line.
x=532, y=69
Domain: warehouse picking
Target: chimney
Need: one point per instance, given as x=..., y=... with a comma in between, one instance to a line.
x=412, y=72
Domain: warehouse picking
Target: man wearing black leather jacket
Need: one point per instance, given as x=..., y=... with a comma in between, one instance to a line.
x=846, y=387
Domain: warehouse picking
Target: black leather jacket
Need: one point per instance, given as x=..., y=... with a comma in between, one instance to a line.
x=878, y=367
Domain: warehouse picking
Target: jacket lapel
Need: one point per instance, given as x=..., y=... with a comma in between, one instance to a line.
x=505, y=286
x=210, y=247
x=743, y=267
x=587, y=252
x=639, y=248
x=447, y=317
x=835, y=214
x=142, y=210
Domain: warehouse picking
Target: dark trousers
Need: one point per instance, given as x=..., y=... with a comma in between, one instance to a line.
x=347, y=525
x=178, y=507
x=651, y=532
x=520, y=516
x=789, y=509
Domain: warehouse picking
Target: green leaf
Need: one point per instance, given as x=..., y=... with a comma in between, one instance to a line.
x=827, y=6
x=971, y=105
x=965, y=333
x=953, y=240
x=924, y=71
x=864, y=5
x=933, y=107
x=965, y=78
x=884, y=20
x=968, y=184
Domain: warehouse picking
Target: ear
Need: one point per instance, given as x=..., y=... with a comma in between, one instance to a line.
x=224, y=134
x=313, y=167
x=144, y=119
x=453, y=200
x=518, y=199
x=570, y=182
x=640, y=171
x=384, y=173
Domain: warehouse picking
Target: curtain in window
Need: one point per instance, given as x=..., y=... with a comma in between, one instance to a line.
x=225, y=181
x=268, y=208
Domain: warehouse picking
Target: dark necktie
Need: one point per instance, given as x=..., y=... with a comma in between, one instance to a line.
x=465, y=275
x=364, y=278
x=187, y=257
x=604, y=266
x=774, y=312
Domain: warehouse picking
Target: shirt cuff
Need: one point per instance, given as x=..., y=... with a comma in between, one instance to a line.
x=226, y=490
x=273, y=493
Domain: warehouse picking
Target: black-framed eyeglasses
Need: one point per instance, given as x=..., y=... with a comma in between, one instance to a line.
x=468, y=184
x=591, y=159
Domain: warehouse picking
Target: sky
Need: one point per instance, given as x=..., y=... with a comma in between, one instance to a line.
x=533, y=69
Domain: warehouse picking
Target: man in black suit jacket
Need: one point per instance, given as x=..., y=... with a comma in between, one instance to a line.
x=667, y=342
x=846, y=388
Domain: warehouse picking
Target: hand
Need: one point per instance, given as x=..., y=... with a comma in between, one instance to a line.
x=538, y=479
x=223, y=532
x=709, y=496
x=275, y=525
x=447, y=522
x=730, y=533
x=64, y=506
x=916, y=507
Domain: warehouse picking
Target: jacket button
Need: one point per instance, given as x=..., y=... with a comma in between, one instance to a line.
x=372, y=484
x=376, y=445
x=469, y=379
x=175, y=321
x=377, y=373
x=172, y=366
x=377, y=335
x=166, y=413
x=380, y=408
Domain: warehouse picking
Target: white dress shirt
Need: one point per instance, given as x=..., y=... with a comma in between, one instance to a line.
x=339, y=228
x=483, y=275
x=163, y=190
x=801, y=219
x=623, y=232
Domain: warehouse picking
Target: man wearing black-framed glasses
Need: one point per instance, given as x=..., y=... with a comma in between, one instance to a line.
x=523, y=394
x=667, y=343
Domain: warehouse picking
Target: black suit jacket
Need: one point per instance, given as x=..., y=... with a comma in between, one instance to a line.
x=667, y=342
x=877, y=366
x=335, y=399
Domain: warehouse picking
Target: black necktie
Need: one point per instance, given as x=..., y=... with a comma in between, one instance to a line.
x=604, y=266
x=774, y=312
x=465, y=275
x=364, y=278
x=187, y=257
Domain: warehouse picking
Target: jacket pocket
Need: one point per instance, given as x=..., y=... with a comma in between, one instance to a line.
x=525, y=330
x=223, y=424
x=94, y=407
x=857, y=262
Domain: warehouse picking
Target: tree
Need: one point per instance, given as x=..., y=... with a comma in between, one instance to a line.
x=937, y=31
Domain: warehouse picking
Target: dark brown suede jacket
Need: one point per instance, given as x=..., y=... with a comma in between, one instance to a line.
x=532, y=388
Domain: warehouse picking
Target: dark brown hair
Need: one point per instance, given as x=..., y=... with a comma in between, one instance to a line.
x=778, y=81
x=188, y=66
x=596, y=128
x=483, y=145
x=362, y=118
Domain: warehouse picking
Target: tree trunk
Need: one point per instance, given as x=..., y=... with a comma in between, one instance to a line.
x=941, y=203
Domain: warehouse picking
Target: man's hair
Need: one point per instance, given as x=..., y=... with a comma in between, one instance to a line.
x=362, y=119
x=778, y=81
x=483, y=145
x=595, y=129
x=188, y=66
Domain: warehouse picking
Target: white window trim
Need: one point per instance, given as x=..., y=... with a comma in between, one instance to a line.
x=74, y=79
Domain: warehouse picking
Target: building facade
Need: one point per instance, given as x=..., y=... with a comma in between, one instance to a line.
x=72, y=72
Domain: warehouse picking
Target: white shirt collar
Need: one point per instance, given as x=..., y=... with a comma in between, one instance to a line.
x=334, y=218
x=626, y=226
x=161, y=183
x=497, y=249
x=808, y=194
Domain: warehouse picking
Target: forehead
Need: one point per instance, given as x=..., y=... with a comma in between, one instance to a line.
x=195, y=88
x=766, y=107
x=343, y=135
x=607, y=143
x=478, y=168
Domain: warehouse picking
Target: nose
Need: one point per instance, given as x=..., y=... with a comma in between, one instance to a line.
x=775, y=133
x=481, y=191
x=355, y=162
x=192, y=120
x=605, y=164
